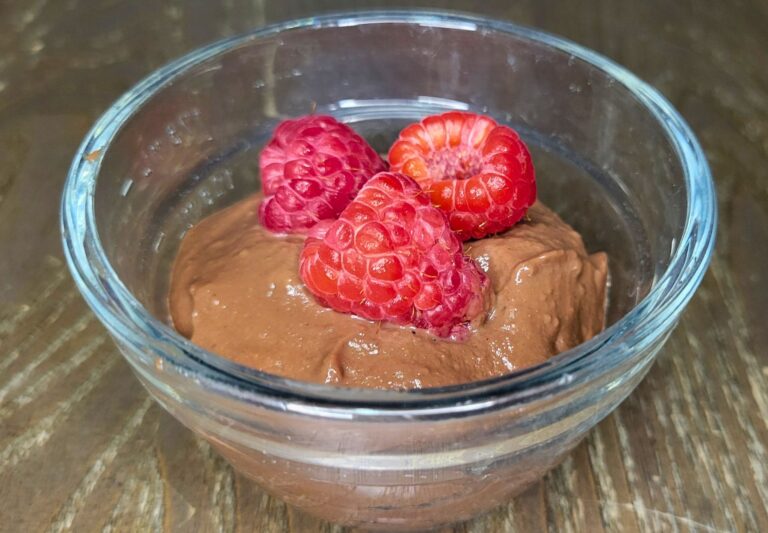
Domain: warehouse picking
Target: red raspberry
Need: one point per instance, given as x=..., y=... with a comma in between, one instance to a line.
x=310, y=170
x=477, y=171
x=392, y=256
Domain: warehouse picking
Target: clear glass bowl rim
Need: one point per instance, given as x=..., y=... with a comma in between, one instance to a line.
x=126, y=318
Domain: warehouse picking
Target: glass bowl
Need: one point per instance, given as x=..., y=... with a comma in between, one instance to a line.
x=612, y=157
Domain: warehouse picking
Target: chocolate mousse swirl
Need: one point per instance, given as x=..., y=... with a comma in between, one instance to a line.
x=235, y=290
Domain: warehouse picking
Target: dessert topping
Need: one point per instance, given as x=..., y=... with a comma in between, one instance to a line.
x=477, y=171
x=392, y=256
x=310, y=170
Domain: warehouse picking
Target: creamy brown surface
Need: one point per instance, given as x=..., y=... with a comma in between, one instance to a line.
x=235, y=290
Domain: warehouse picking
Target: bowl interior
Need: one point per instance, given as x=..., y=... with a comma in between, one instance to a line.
x=603, y=161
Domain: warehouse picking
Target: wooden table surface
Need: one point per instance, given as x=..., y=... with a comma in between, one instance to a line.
x=83, y=448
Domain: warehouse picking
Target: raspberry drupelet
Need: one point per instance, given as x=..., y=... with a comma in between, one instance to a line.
x=392, y=256
x=477, y=171
x=310, y=170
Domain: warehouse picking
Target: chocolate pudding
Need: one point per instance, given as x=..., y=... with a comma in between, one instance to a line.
x=236, y=291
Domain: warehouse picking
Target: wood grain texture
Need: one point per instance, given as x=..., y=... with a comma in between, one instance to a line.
x=83, y=449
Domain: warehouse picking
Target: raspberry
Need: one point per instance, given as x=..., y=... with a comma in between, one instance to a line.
x=477, y=171
x=392, y=256
x=310, y=170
